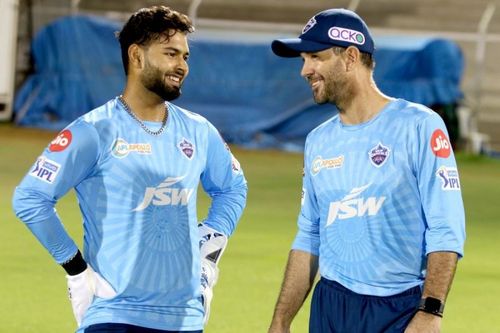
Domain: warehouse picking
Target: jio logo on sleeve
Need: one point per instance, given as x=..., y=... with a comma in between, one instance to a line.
x=440, y=144
x=62, y=141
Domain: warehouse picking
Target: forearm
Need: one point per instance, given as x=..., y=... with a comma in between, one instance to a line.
x=38, y=213
x=441, y=268
x=226, y=209
x=440, y=271
x=299, y=278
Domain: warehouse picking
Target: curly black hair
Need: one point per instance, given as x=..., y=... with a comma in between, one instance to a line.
x=150, y=24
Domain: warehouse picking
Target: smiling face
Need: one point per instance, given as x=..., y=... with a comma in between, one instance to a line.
x=165, y=65
x=325, y=71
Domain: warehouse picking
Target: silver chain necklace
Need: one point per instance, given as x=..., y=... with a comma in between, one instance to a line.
x=144, y=127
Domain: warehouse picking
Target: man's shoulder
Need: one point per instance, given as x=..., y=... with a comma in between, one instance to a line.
x=96, y=122
x=186, y=115
x=409, y=110
x=105, y=112
x=192, y=120
x=323, y=127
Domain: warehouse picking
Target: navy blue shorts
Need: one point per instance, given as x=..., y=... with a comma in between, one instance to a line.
x=126, y=328
x=336, y=309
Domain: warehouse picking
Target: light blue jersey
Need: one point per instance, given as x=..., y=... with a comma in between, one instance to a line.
x=137, y=193
x=378, y=197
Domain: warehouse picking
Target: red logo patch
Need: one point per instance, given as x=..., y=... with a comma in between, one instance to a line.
x=62, y=141
x=440, y=144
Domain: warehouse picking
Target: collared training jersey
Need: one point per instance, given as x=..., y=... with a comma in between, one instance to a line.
x=378, y=197
x=137, y=193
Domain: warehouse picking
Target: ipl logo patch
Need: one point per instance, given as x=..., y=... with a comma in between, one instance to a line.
x=309, y=25
x=187, y=148
x=45, y=170
x=449, y=178
x=378, y=154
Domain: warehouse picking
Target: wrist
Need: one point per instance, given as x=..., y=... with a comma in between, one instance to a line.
x=279, y=327
x=281, y=321
x=75, y=265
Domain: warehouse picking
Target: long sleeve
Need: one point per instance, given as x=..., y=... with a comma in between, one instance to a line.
x=307, y=238
x=439, y=187
x=67, y=160
x=224, y=182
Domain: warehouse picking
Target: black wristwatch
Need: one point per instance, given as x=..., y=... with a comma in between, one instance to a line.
x=431, y=305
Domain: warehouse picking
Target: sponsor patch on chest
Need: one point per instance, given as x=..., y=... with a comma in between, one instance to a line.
x=165, y=194
x=354, y=204
x=320, y=163
x=122, y=148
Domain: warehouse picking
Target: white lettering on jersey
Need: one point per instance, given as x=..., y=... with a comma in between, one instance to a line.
x=164, y=194
x=351, y=205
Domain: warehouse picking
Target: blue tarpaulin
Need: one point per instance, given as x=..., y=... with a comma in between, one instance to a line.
x=252, y=96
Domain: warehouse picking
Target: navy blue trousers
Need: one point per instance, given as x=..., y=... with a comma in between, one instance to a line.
x=336, y=309
x=126, y=328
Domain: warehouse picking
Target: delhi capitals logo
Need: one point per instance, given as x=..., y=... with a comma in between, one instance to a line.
x=187, y=148
x=378, y=154
x=309, y=25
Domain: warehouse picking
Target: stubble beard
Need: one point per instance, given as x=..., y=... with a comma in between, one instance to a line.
x=336, y=90
x=153, y=79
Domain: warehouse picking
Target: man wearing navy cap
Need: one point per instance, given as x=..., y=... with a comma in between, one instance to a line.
x=382, y=215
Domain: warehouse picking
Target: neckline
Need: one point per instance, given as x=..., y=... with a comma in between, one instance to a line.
x=359, y=126
x=142, y=123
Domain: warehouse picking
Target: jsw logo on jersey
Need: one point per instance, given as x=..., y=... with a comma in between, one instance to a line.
x=164, y=195
x=352, y=205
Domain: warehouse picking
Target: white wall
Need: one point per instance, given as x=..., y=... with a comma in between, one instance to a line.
x=8, y=39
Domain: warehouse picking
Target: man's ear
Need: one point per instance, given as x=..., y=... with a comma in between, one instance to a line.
x=136, y=56
x=352, y=55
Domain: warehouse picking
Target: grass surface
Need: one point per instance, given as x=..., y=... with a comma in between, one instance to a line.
x=33, y=287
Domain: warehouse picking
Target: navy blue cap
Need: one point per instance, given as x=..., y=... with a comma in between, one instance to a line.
x=332, y=27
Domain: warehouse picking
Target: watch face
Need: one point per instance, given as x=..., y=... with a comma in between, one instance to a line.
x=432, y=304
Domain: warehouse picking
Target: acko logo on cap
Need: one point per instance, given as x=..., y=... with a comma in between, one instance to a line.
x=346, y=35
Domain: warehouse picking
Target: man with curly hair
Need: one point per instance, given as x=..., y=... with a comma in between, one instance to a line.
x=135, y=164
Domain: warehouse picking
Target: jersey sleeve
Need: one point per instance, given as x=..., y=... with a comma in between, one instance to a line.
x=224, y=182
x=439, y=187
x=67, y=160
x=307, y=238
